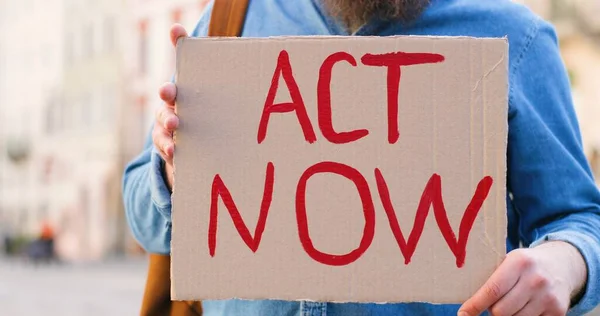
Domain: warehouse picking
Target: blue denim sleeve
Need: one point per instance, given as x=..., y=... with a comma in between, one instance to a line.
x=552, y=186
x=146, y=196
x=147, y=201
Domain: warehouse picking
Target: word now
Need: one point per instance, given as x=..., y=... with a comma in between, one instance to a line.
x=393, y=62
x=432, y=196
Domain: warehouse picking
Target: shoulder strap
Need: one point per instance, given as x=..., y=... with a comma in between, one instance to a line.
x=227, y=18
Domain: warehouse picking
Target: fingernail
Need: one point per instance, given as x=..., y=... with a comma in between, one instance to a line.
x=460, y=313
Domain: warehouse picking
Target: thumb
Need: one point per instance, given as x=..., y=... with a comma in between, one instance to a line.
x=177, y=31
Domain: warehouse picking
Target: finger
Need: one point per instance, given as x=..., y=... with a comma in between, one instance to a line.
x=163, y=142
x=167, y=119
x=513, y=301
x=168, y=93
x=546, y=302
x=164, y=145
x=168, y=160
x=177, y=31
x=501, y=281
x=533, y=308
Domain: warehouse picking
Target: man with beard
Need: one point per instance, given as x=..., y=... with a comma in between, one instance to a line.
x=553, y=203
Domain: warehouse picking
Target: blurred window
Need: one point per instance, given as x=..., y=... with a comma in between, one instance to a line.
x=69, y=48
x=50, y=126
x=142, y=104
x=43, y=211
x=95, y=106
x=3, y=68
x=61, y=121
x=176, y=15
x=47, y=56
x=71, y=114
x=143, y=47
x=108, y=104
x=86, y=110
x=109, y=34
x=88, y=40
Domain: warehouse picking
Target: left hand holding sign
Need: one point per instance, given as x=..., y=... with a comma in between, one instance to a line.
x=166, y=119
x=536, y=281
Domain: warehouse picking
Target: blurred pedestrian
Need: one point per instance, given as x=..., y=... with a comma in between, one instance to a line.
x=7, y=236
x=42, y=248
x=6, y=241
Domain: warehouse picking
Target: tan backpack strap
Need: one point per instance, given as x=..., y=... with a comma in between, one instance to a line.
x=227, y=18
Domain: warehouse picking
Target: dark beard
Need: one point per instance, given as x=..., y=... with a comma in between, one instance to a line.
x=355, y=13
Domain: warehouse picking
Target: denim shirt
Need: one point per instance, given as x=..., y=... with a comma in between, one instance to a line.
x=551, y=190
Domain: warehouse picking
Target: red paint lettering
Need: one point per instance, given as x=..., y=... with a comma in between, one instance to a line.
x=394, y=62
x=284, y=68
x=432, y=195
x=219, y=189
x=368, y=210
x=324, y=102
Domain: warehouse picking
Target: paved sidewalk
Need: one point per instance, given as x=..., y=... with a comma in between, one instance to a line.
x=104, y=289
x=109, y=288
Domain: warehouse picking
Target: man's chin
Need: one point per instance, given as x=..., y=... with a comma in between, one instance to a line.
x=358, y=12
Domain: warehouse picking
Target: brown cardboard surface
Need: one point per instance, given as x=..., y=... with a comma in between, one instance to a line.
x=452, y=122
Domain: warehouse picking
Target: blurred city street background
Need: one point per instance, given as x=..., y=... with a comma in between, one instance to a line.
x=94, y=289
x=78, y=90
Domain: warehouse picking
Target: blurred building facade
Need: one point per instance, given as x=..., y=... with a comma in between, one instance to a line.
x=60, y=149
x=76, y=108
x=81, y=148
x=31, y=63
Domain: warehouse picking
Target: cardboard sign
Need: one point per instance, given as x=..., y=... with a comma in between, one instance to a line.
x=339, y=169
